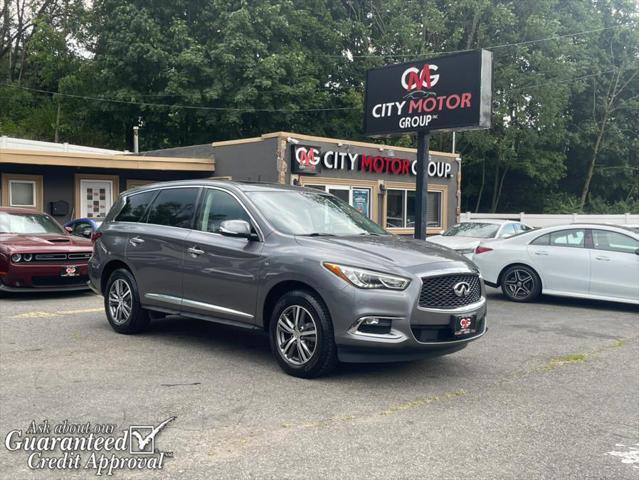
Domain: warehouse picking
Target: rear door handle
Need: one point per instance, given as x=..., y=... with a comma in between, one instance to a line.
x=135, y=241
x=541, y=253
x=603, y=259
x=195, y=251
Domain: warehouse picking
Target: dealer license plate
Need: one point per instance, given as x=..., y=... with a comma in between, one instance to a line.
x=464, y=324
x=70, y=271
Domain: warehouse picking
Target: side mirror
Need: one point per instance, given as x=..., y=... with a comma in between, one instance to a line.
x=68, y=229
x=235, y=228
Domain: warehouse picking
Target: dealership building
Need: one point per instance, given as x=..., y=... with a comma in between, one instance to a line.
x=378, y=180
x=70, y=181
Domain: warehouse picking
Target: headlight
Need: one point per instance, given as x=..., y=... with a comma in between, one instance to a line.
x=27, y=257
x=16, y=257
x=362, y=278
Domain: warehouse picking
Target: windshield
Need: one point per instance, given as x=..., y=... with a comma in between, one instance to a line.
x=310, y=213
x=476, y=230
x=28, y=223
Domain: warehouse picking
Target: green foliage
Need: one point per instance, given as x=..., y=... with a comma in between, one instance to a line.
x=559, y=108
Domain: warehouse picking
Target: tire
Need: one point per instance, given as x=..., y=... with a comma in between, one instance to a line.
x=298, y=351
x=133, y=319
x=520, y=283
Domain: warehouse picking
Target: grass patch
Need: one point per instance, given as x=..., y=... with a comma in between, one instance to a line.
x=566, y=360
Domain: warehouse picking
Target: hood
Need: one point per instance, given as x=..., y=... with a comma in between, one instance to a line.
x=456, y=243
x=388, y=250
x=49, y=242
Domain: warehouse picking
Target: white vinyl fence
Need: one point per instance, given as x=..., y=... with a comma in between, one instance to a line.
x=542, y=220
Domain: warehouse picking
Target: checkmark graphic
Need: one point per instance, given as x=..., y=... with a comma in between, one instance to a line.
x=144, y=440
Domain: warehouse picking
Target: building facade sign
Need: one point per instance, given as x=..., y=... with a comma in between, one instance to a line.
x=310, y=160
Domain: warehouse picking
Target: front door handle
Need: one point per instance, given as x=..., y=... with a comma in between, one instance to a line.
x=541, y=253
x=195, y=251
x=135, y=241
x=603, y=259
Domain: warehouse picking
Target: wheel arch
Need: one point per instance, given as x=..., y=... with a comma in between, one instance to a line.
x=276, y=292
x=108, y=269
x=519, y=264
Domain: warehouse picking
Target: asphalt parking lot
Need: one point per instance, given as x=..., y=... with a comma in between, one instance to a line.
x=552, y=391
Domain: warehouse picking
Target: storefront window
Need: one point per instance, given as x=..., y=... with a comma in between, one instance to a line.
x=400, y=209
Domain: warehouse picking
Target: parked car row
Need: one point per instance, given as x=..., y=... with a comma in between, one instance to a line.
x=586, y=261
x=323, y=281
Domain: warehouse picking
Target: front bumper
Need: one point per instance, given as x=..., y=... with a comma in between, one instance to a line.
x=416, y=332
x=44, y=278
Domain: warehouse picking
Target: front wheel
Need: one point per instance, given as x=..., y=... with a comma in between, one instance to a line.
x=301, y=334
x=521, y=284
x=122, y=303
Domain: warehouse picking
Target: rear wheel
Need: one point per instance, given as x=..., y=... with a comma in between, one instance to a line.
x=521, y=284
x=122, y=303
x=301, y=334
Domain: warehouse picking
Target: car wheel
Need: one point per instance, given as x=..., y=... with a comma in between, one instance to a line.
x=521, y=284
x=301, y=334
x=122, y=303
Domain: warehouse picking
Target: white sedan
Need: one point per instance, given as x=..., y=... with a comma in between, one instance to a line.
x=586, y=261
x=465, y=236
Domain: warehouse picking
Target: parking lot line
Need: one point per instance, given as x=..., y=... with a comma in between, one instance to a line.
x=39, y=314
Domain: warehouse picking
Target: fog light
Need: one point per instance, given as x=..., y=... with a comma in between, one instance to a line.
x=16, y=257
x=27, y=257
x=375, y=325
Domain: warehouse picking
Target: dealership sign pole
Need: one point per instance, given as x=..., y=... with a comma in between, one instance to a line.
x=444, y=94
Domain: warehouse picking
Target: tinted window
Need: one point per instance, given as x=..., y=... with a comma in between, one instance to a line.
x=80, y=227
x=613, y=241
x=135, y=206
x=173, y=207
x=543, y=240
x=567, y=238
x=217, y=207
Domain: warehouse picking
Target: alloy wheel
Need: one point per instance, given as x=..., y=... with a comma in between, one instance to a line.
x=296, y=335
x=519, y=283
x=120, y=301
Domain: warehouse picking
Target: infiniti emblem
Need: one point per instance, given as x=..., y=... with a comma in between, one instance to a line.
x=461, y=289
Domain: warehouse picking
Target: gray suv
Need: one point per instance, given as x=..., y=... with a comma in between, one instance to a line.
x=323, y=281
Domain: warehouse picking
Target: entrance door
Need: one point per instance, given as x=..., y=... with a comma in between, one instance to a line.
x=96, y=198
x=357, y=197
x=343, y=193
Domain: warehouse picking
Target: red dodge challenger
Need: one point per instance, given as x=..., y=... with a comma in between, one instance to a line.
x=37, y=254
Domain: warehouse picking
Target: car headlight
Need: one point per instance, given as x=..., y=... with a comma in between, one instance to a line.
x=16, y=257
x=363, y=278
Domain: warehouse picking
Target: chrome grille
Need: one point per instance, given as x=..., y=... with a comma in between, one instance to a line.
x=438, y=291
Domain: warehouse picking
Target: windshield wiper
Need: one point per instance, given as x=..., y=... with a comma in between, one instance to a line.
x=317, y=234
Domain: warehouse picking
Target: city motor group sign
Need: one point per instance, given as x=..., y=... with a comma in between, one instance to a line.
x=311, y=160
x=443, y=94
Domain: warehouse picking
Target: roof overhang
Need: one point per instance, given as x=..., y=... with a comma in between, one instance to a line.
x=106, y=161
x=336, y=141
